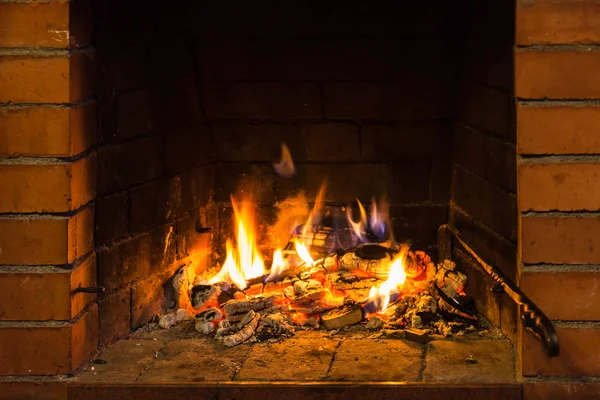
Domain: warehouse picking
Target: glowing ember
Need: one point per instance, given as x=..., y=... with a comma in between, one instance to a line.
x=381, y=296
x=245, y=262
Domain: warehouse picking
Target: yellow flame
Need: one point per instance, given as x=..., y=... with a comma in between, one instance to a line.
x=278, y=265
x=303, y=252
x=315, y=214
x=244, y=262
x=357, y=227
x=381, y=295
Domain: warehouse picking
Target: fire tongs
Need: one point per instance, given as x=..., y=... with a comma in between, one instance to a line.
x=534, y=320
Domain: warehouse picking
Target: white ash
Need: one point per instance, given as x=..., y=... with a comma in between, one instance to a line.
x=182, y=315
x=167, y=321
x=375, y=322
x=205, y=327
x=245, y=332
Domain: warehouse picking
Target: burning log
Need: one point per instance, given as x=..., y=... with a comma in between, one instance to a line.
x=203, y=295
x=235, y=307
x=379, y=268
x=245, y=331
x=210, y=314
x=339, y=317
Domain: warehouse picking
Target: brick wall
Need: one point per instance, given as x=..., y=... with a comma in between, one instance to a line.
x=154, y=159
x=361, y=94
x=47, y=187
x=483, y=204
x=556, y=64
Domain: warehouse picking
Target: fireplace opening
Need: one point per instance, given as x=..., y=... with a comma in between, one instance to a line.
x=275, y=169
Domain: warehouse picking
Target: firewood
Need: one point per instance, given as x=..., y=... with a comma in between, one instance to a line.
x=417, y=335
x=180, y=285
x=245, y=332
x=257, y=303
x=203, y=295
x=210, y=314
x=204, y=327
x=339, y=317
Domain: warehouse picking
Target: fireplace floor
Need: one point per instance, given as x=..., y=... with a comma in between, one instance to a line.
x=471, y=365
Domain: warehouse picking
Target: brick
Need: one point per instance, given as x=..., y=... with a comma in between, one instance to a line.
x=560, y=240
x=197, y=188
x=555, y=22
x=112, y=218
x=552, y=390
x=558, y=129
x=192, y=242
x=122, y=68
x=469, y=149
x=557, y=74
x=24, y=291
x=486, y=202
x=46, y=131
x=549, y=289
x=121, y=166
x=485, y=108
x=33, y=390
x=307, y=142
x=169, y=60
x=133, y=259
x=114, y=316
x=388, y=101
x=419, y=224
x=147, y=300
x=402, y=182
x=46, y=240
x=263, y=101
x=188, y=148
x=499, y=251
x=501, y=163
x=440, y=175
x=489, y=62
x=244, y=181
x=579, y=355
x=48, y=350
x=34, y=24
x=56, y=187
x=395, y=142
x=169, y=107
x=561, y=186
x=59, y=79
x=327, y=59
x=154, y=203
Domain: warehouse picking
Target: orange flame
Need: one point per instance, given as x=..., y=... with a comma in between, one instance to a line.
x=245, y=262
x=315, y=214
x=357, y=227
x=381, y=295
x=278, y=265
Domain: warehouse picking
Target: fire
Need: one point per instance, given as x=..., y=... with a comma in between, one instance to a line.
x=278, y=265
x=244, y=262
x=381, y=295
x=285, y=167
x=357, y=227
x=375, y=223
x=315, y=214
x=303, y=253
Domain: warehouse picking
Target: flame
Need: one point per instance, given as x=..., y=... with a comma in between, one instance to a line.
x=278, y=265
x=302, y=252
x=315, y=214
x=380, y=296
x=357, y=227
x=244, y=262
x=285, y=167
x=377, y=219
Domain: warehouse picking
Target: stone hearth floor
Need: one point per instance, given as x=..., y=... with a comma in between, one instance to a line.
x=181, y=358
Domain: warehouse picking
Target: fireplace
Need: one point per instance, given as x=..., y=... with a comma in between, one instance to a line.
x=127, y=129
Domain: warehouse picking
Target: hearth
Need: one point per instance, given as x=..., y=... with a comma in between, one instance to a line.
x=320, y=196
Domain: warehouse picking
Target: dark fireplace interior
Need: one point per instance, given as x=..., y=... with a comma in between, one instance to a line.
x=408, y=102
